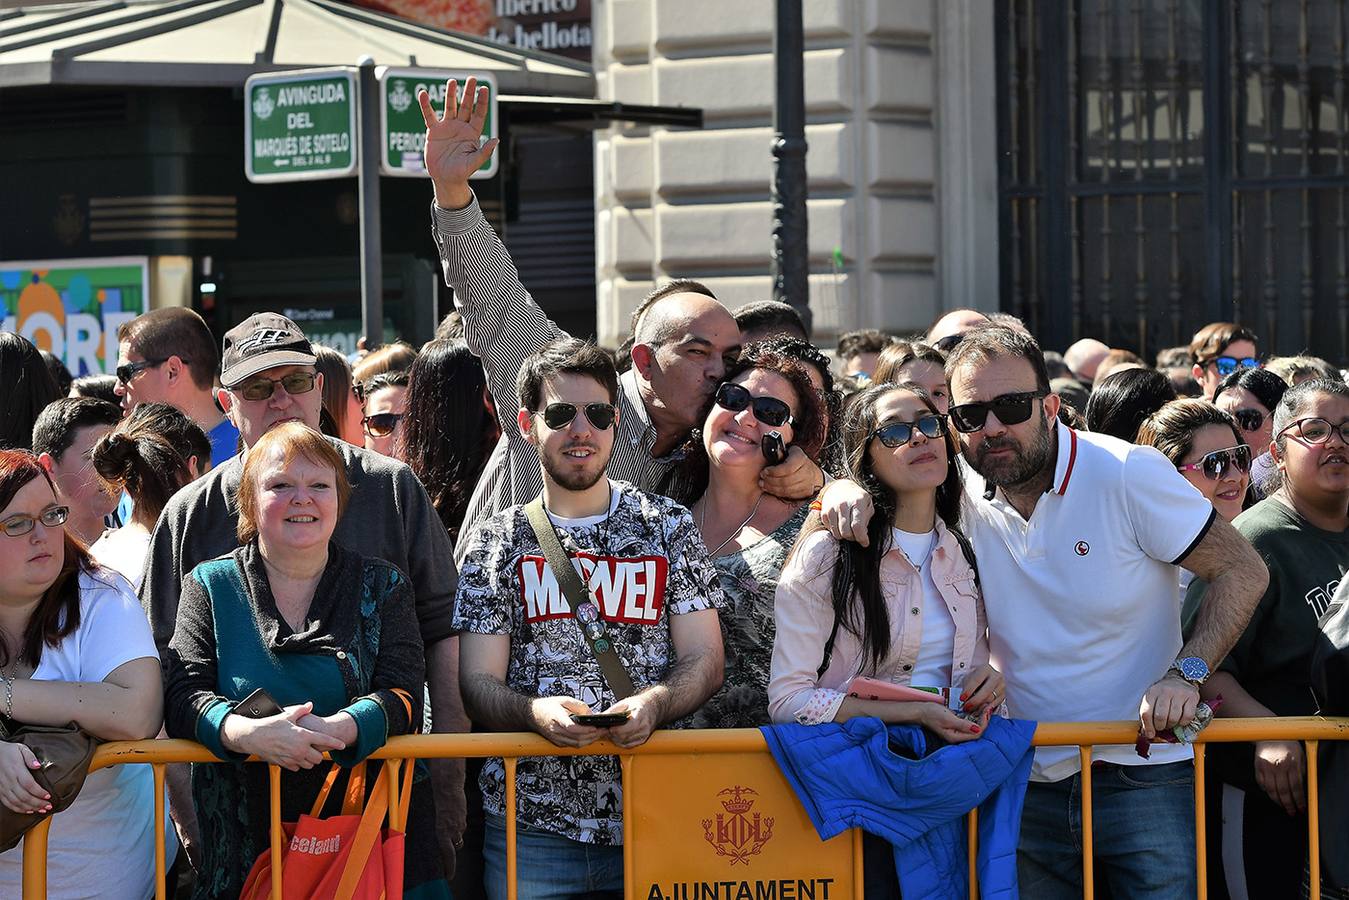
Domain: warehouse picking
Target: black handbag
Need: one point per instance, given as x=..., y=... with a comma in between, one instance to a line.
x=63, y=753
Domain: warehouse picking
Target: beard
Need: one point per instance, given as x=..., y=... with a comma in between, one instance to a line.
x=563, y=471
x=1024, y=462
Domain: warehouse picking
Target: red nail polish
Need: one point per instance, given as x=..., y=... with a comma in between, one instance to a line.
x=974, y=728
x=964, y=697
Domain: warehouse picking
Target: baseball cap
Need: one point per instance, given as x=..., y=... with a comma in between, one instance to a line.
x=260, y=342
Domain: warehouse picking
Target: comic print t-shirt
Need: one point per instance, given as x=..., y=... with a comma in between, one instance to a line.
x=643, y=562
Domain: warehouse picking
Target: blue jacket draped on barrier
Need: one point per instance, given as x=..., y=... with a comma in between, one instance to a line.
x=861, y=774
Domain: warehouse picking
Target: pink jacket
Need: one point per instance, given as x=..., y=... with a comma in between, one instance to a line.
x=804, y=614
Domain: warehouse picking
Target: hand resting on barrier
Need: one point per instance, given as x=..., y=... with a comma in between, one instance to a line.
x=280, y=739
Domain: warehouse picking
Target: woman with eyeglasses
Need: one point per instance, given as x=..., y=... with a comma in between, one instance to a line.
x=385, y=408
x=1302, y=531
x=1250, y=397
x=74, y=647
x=1219, y=349
x=766, y=404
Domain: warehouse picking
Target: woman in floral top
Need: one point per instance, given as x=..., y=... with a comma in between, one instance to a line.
x=747, y=531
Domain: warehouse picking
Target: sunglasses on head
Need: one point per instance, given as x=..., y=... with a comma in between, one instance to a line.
x=1215, y=465
x=897, y=434
x=768, y=410
x=1316, y=430
x=1011, y=409
x=381, y=424
x=128, y=371
x=948, y=343
x=262, y=388
x=18, y=526
x=1226, y=365
x=560, y=415
x=1249, y=419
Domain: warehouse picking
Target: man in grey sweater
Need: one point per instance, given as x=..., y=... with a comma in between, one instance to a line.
x=269, y=377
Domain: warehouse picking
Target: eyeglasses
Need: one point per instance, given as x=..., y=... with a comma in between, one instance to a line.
x=897, y=434
x=1316, y=430
x=1011, y=409
x=261, y=388
x=381, y=424
x=1249, y=419
x=1226, y=365
x=948, y=343
x=18, y=526
x=768, y=410
x=128, y=371
x=560, y=415
x=1215, y=465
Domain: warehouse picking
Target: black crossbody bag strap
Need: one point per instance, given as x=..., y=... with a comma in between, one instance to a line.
x=576, y=593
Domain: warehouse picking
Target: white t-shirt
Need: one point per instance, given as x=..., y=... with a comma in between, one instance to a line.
x=123, y=550
x=102, y=847
x=933, y=666
x=1081, y=599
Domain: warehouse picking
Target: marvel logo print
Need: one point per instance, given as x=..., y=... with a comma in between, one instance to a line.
x=627, y=589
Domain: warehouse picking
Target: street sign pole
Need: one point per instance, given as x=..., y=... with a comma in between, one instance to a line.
x=372, y=267
x=791, y=251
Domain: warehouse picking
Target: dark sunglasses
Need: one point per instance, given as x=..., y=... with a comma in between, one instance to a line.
x=948, y=343
x=381, y=424
x=262, y=388
x=1215, y=465
x=1316, y=430
x=897, y=434
x=1226, y=365
x=1011, y=409
x=18, y=526
x=1249, y=419
x=128, y=371
x=560, y=415
x=768, y=410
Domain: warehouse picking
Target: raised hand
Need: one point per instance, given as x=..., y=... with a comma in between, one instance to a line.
x=453, y=141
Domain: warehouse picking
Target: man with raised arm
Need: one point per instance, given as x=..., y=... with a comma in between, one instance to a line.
x=683, y=336
x=534, y=659
x=1077, y=537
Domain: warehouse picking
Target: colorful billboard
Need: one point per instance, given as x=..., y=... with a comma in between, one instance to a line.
x=73, y=307
x=554, y=26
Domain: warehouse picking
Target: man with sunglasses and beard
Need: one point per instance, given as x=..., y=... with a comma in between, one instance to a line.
x=269, y=377
x=1077, y=536
x=532, y=659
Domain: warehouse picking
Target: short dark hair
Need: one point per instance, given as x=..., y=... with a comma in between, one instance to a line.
x=54, y=430
x=1123, y=400
x=865, y=340
x=99, y=387
x=783, y=318
x=1267, y=387
x=393, y=378
x=678, y=286
x=994, y=342
x=60, y=374
x=176, y=331
x=1210, y=341
x=565, y=356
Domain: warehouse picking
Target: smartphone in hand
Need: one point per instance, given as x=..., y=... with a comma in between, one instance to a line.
x=258, y=705
x=601, y=720
x=774, y=450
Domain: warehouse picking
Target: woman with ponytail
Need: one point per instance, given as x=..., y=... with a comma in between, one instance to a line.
x=150, y=455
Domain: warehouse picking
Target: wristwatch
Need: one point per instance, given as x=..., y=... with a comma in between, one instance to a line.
x=1192, y=669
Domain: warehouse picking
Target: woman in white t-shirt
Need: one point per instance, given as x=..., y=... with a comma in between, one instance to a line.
x=150, y=455
x=74, y=647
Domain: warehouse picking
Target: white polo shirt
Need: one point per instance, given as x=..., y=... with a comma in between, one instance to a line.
x=1081, y=599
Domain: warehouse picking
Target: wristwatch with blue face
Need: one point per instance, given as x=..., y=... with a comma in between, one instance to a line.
x=1192, y=669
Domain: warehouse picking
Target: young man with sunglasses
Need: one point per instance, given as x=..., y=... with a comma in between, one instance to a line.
x=1077, y=537
x=531, y=660
x=268, y=378
x=683, y=338
x=1219, y=349
x=169, y=356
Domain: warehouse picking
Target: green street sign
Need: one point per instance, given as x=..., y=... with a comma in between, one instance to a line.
x=300, y=125
x=403, y=133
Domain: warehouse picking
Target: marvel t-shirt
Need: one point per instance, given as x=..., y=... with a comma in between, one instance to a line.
x=643, y=562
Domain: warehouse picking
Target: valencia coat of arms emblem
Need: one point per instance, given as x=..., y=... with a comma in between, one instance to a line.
x=739, y=832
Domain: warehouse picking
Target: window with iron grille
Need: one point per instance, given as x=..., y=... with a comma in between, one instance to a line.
x=1167, y=163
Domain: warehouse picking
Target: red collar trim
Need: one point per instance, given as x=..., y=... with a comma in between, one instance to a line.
x=1072, y=458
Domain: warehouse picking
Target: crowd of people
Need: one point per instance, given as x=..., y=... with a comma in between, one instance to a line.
x=275, y=551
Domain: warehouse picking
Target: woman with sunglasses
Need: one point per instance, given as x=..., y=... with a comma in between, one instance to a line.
x=748, y=531
x=1207, y=449
x=1302, y=531
x=74, y=647
x=385, y=408
x=1250, y=396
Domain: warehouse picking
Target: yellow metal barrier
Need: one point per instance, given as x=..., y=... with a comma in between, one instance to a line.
x=1084, y=735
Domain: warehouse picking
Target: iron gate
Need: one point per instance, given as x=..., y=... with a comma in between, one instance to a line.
x=1166, y=163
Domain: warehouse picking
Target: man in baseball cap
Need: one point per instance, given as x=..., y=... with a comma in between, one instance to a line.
x=268, y=377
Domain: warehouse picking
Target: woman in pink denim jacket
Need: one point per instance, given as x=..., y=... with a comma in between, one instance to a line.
x=906, y=608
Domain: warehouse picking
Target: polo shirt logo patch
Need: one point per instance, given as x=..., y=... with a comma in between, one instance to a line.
x=1082, y=548
x=630, y=590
